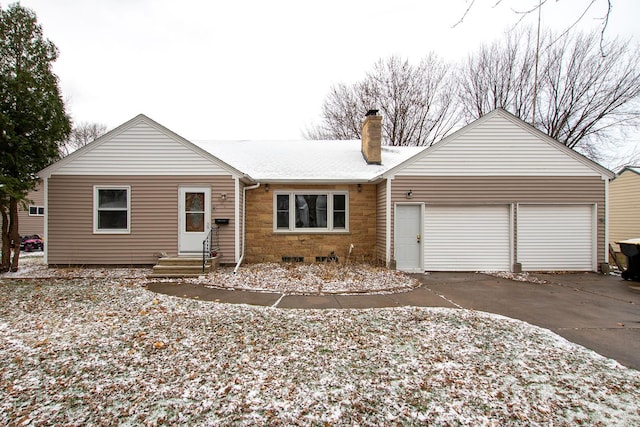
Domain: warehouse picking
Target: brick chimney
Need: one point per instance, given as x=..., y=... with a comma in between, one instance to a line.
x=372, y=138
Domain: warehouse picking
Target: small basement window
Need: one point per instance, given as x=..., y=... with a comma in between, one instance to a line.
x=36, y=210
x=111, y=209
x=311, y=211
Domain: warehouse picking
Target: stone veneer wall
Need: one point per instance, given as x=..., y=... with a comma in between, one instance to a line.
x=264, y=245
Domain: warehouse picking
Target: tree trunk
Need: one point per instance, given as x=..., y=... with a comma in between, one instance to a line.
x=6, y=241
x=14, y=232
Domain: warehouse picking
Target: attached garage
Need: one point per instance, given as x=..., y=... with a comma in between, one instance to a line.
x=467, y=238
x=499, y=194
x=556, y=237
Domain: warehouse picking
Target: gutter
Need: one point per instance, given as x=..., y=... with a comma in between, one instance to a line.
x=244, y=230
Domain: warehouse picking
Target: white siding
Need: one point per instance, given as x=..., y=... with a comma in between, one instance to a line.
x=141, y=149
x=467, y=238
x=556, y=237
x=497, y=146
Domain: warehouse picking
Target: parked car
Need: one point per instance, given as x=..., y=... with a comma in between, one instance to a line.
x=31, y=243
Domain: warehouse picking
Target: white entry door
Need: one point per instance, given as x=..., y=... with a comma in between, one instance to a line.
x=195, y=218
x=408, y=241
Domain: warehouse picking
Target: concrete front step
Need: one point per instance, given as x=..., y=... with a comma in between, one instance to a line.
x=182, y=267
x=179, y=270
x=180, y=260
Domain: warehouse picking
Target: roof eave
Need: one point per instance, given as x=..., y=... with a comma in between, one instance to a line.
x=316, y=181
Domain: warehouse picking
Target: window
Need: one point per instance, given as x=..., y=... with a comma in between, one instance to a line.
x=111, y=209
x=36, y=210
x=194, y=211
x=311, y=211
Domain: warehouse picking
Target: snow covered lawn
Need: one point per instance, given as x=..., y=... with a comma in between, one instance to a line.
x=312, y=278
x=301, y=279
x=106, y=351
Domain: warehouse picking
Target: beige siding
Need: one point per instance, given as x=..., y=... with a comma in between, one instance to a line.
x=154, y=219
x=497, y=146
x=506, y=190
x=31, y=224
x=381, y=221
x=624, y=207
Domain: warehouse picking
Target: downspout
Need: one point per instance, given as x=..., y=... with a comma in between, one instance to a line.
x=606, y=222
x=387, y=237
x=244, y=228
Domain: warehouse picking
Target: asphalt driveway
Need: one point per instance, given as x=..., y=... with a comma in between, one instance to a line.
x=596, y=311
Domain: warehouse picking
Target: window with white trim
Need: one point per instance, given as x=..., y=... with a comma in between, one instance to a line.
x=111, y=207
x=311, y=211
x=36, y=210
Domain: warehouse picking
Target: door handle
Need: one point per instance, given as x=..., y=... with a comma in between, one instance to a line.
x=418, y=238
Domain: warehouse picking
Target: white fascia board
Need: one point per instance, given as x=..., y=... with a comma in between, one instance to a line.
x=601, y=170
x=314, y=181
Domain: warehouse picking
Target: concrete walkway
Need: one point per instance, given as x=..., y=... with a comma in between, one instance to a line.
x=596, y=311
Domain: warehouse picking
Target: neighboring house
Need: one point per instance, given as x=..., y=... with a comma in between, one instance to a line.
x=624, y=205
x=31, y=216
x=496, y=195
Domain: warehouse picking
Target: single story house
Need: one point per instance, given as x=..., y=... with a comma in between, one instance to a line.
x=624, y=205
x=495, y=195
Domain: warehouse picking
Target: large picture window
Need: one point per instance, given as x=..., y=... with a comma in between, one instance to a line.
x=111, y=209
x=311, y=211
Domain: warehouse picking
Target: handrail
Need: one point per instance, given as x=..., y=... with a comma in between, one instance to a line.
x=206, y=248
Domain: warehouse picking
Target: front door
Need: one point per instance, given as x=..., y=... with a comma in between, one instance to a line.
x=195, y=218
x=408, y=241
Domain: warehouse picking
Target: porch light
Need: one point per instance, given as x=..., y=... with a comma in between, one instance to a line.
x=410, y=194
x=359, y=188
x=266, y=187
x=223, y=196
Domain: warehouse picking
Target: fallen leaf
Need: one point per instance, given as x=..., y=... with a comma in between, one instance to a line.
x=42, y=342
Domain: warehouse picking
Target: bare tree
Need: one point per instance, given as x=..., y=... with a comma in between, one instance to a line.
x=416, y=102
x=499, y=75
x=81, y=134
x=582, y=9
x=625, y=157
x=583, y=98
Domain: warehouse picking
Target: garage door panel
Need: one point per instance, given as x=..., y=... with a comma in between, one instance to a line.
x=555, y=237
x=467, y=238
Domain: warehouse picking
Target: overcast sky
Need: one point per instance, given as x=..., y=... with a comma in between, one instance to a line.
x=255, y=69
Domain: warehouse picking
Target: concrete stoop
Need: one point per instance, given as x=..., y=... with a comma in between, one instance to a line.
x=183, y=266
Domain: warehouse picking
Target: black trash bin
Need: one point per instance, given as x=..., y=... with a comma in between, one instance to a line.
x=631, y=249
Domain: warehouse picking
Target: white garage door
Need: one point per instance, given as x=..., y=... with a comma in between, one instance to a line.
x=555, y=237
x=467, y=238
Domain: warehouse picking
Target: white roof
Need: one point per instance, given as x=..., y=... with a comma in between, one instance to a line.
x=630, y=241
x=635, y=169
x=305, y=160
